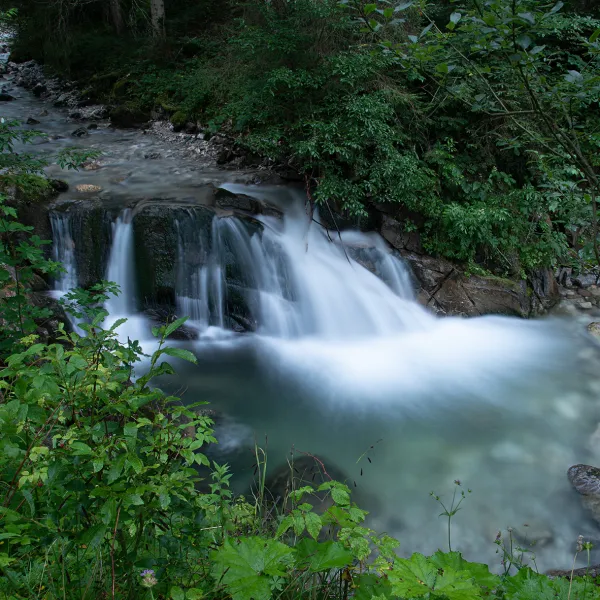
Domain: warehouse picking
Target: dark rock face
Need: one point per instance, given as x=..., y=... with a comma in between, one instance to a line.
x=444, y=287
x=128, y=117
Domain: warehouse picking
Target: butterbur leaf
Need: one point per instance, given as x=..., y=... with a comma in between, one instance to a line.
x=371, y=586
x=322, y=557
x=246, y=567
x=419, y=576
x=369, y=8
x=176, y=593
x=478, y=571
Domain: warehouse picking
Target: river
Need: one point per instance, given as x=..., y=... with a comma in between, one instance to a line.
x=344, y=364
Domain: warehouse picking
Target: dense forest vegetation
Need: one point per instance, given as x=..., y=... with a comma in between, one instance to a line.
x=477, y=121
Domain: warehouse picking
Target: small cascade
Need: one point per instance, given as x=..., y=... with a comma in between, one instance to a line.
x=63, y=250
x=292, y=280
x=121, y=266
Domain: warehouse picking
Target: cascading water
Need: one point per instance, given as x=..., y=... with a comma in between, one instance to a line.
x=122, y=271
x=121, y=266
x=297, y=281
x=63, y=250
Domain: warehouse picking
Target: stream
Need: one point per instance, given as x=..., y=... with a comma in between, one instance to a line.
x=344, y=363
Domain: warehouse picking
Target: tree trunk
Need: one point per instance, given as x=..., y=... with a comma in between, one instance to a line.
x=157, y=8
x=116, y=15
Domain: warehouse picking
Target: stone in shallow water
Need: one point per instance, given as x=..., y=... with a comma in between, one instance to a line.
x=586, y=305
x=594, y=329
x=87, y=187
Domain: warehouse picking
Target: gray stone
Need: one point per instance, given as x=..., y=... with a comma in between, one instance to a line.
x=585, y=305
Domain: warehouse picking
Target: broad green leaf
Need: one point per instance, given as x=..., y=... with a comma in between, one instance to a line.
x=595, y=35
x=403, y=6
x=370, y=8
x=371, y=586
x=175, y=325
x=524, y=41
x=180, y=353
x=478, y=571
x=322, y=556
x=246, y=567
x=81, y=449
x=313, y=524
x=176, y=593
x=528, y=17
x=556, y=7
x=418, y=576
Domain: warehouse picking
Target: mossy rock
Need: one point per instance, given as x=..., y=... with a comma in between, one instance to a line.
x=128, y=116
x=179, y=120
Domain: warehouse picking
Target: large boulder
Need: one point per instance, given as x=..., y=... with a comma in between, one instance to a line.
x=447, y=289
x=585, y=479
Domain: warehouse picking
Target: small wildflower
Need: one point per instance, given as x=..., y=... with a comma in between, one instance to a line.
x=498, y=537
x=148, y=578
x=580, y=544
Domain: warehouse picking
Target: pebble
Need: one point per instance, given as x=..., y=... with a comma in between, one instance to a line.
x=86, y=187
x=586, y=305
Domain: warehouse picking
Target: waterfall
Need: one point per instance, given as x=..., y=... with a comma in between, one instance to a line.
x=121, y=267
x=63, y=250
x=122, y=271
x=295, y=280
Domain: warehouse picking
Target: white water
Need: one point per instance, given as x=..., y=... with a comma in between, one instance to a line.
x=63, y=251
x=122, y=271
x=298, y=281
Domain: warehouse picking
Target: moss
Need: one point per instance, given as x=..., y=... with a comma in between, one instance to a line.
x=28, y=188
x=179, y=119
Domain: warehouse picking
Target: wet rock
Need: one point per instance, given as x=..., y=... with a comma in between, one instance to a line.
x=586, y=305
x=128, y=117
x=92, y=126
x=162, y=316
x=32, y=121
x=153, y=156
x=445, y=288
x=592, y=571
x=62, y=100
x=586, y=481
x=6, y=97
x=75, y=115
x=39, y=89
x=59, y=185
x=594, y=329
x=44, y=113
x=584, y=281
x=80, y=132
